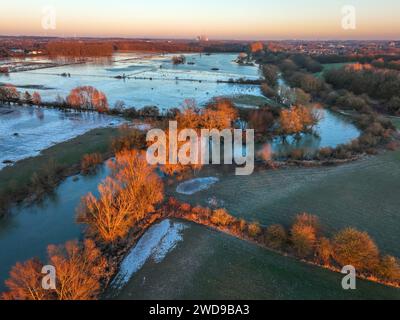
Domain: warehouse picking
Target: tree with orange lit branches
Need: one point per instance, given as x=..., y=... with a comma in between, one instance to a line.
x=297, y=120
x=87, y=98
x=79, y=270
x=131, y=192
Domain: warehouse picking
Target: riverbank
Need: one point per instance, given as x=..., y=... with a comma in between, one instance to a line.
x=66, y=156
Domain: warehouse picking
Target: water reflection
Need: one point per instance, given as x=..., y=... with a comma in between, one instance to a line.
x=332, y=131
x=25, y=131
x=154, y=81
x=28, y=231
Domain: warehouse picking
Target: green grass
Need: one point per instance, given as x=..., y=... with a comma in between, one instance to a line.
x=330, y=66
x=361, y=195
x=65, y=154
x=250, y=100
x=396, y=122
x=212, y=265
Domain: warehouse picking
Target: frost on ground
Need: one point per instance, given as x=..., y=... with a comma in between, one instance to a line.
x=26, y=131
x=156, y=243
x=196, y=185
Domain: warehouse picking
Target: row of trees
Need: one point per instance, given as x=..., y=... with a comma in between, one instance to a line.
x=79, y=48
x=386, y=64
x=304, y=239
x=10, y=94
x=377, y=84
x=306, y=86
x=220, y=114
x=82, y=98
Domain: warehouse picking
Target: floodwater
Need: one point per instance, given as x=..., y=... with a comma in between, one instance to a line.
x=332, y=130
x=26, y=131
x=158, y=82
x=176, y=259
x=28, y=230
x=196, y=185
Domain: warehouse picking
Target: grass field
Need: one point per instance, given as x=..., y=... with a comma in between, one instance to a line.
x=251, y=100
x=65, y=154
x=210, y=265
x=363, y=194
x=330, y=66
x=396, y=122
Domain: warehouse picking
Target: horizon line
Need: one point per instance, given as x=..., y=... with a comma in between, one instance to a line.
x=192, y=39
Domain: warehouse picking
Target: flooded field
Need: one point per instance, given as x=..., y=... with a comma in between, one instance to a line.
x=153, y=79
x=27, y=231
x=332, y=130
x=176, y=259
x=25, y=131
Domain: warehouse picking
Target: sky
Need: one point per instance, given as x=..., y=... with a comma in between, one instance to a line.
x=217, y=19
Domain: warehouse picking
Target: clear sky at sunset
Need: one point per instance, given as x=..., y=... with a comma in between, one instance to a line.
x=229, y=19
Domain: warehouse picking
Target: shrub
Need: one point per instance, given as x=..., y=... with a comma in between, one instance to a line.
x=36, y=98
x=325, y=153
x=9, y=93
x=254, y=229
x=149, y=112
x=178, y=59
x=221, y=217
x=270, y=73
x=268, y=91
x=242, y=225
x=352, y=247
x=261, y=120
x=45, y=180
x=324, y=250
x=389, y=269
x=88, y=98
x=297, y=154
x=129, y=138
x=275, y=237
x=304, y=234
x=90, y=162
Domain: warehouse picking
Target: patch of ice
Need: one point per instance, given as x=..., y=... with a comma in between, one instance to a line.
x=196, y=185
x=156, y=243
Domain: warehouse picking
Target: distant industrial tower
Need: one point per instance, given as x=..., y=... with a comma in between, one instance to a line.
x=202, y=38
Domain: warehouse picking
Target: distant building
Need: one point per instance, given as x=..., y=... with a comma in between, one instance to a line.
x=202, y=38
